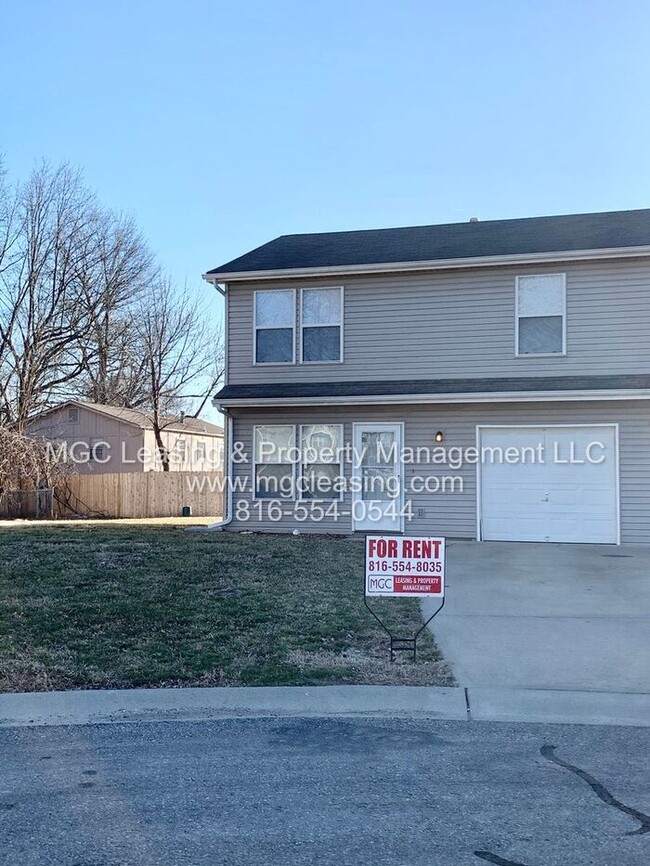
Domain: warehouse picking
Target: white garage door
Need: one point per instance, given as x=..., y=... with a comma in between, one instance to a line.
x=549, y=484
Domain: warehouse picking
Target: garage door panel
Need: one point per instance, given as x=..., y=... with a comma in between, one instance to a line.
x=501, y=496
x=551, y=499
x=594, y=497
x=500, y=529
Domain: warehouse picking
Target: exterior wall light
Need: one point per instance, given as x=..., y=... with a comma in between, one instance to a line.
x=439, y=437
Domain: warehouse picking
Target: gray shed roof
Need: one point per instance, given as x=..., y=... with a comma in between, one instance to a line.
x=140, y=418
x=573, y=232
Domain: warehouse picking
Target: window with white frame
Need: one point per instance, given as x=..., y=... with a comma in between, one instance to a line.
x=275, y=324
x=199, y=451
x=273, y=456
x=541, y=315
x=181, y=450
x=321, y=316
x=73, y=414
x=321, y=451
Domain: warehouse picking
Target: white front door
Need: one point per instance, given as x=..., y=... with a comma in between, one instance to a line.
x=377, y=477
x=561, y=487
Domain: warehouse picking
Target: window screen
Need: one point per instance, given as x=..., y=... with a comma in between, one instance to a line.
x=321, y=324
x=540, y=314
x=274, y=327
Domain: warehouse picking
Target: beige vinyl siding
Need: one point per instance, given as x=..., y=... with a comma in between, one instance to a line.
x=124, y=440
x=454, y=514
x=453, y=324
x=213, y=451
x=130, y=448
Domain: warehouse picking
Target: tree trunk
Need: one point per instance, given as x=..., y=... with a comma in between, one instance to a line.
x=162, y=451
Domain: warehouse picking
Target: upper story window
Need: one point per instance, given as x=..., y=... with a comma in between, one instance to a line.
x=181, y=450
x=275, y=326
x=541, y=315
x=73, y=414
x=321, y=317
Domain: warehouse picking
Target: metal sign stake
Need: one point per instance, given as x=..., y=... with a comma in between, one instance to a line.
x=397, y=643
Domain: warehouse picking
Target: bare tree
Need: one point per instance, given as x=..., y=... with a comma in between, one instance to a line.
x=27, y=463
x=44, y=312
x=121, y=270
x=215, y=372
x=85, y=312
x=179, y=348
x=9, y=255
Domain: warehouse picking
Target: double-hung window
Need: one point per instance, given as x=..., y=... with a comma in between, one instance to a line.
x=321, y=452
x=541, y=315
x=275, y=326
x=273, y=467
x=321, y=315
x=181, y=450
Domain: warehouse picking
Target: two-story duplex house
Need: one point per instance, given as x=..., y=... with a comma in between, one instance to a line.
x=485, y=380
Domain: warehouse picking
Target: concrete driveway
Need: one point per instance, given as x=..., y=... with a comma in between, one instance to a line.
x=547, y=616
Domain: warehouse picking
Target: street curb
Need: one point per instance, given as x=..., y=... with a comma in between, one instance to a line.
x=90, y=707
x=566, y=707
x=36, y=709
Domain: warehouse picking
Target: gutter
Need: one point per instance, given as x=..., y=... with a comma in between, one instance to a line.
x=431, y=265
x=407, y=399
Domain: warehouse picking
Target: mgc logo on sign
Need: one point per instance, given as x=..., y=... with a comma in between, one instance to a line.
x=405, y=566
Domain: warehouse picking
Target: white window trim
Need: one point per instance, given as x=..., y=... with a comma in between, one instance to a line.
x=257, y=363
x=181, y=449
x=561, y=354
x=340, y=463
x=254, y=463
x=340, y=289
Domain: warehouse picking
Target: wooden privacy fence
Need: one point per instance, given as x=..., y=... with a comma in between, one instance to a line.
x=142, y=494
x=27, y=504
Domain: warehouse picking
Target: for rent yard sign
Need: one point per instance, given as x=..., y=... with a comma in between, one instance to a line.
x=405, y=566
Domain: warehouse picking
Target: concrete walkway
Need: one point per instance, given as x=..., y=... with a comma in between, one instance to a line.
x=547, y=616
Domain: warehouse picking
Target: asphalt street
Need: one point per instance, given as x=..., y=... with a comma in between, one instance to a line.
x=325, y=791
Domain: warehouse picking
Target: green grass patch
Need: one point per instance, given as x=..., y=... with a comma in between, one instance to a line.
x=104, y=607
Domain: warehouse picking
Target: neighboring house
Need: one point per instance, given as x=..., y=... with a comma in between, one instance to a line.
x=101, y=438
x=531, y=335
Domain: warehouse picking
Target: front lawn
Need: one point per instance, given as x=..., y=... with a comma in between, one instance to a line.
x=119, y=607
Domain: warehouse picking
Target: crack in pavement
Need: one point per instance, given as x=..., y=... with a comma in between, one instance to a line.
x=600, y=791
x=494, y=858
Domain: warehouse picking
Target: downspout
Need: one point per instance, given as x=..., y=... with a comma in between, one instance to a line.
x=227, y=518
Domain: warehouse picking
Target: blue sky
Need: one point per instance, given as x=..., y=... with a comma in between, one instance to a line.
x=220, y=125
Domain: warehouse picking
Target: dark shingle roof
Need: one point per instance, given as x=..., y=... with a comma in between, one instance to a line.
x=452, y=241
x=411, y=387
